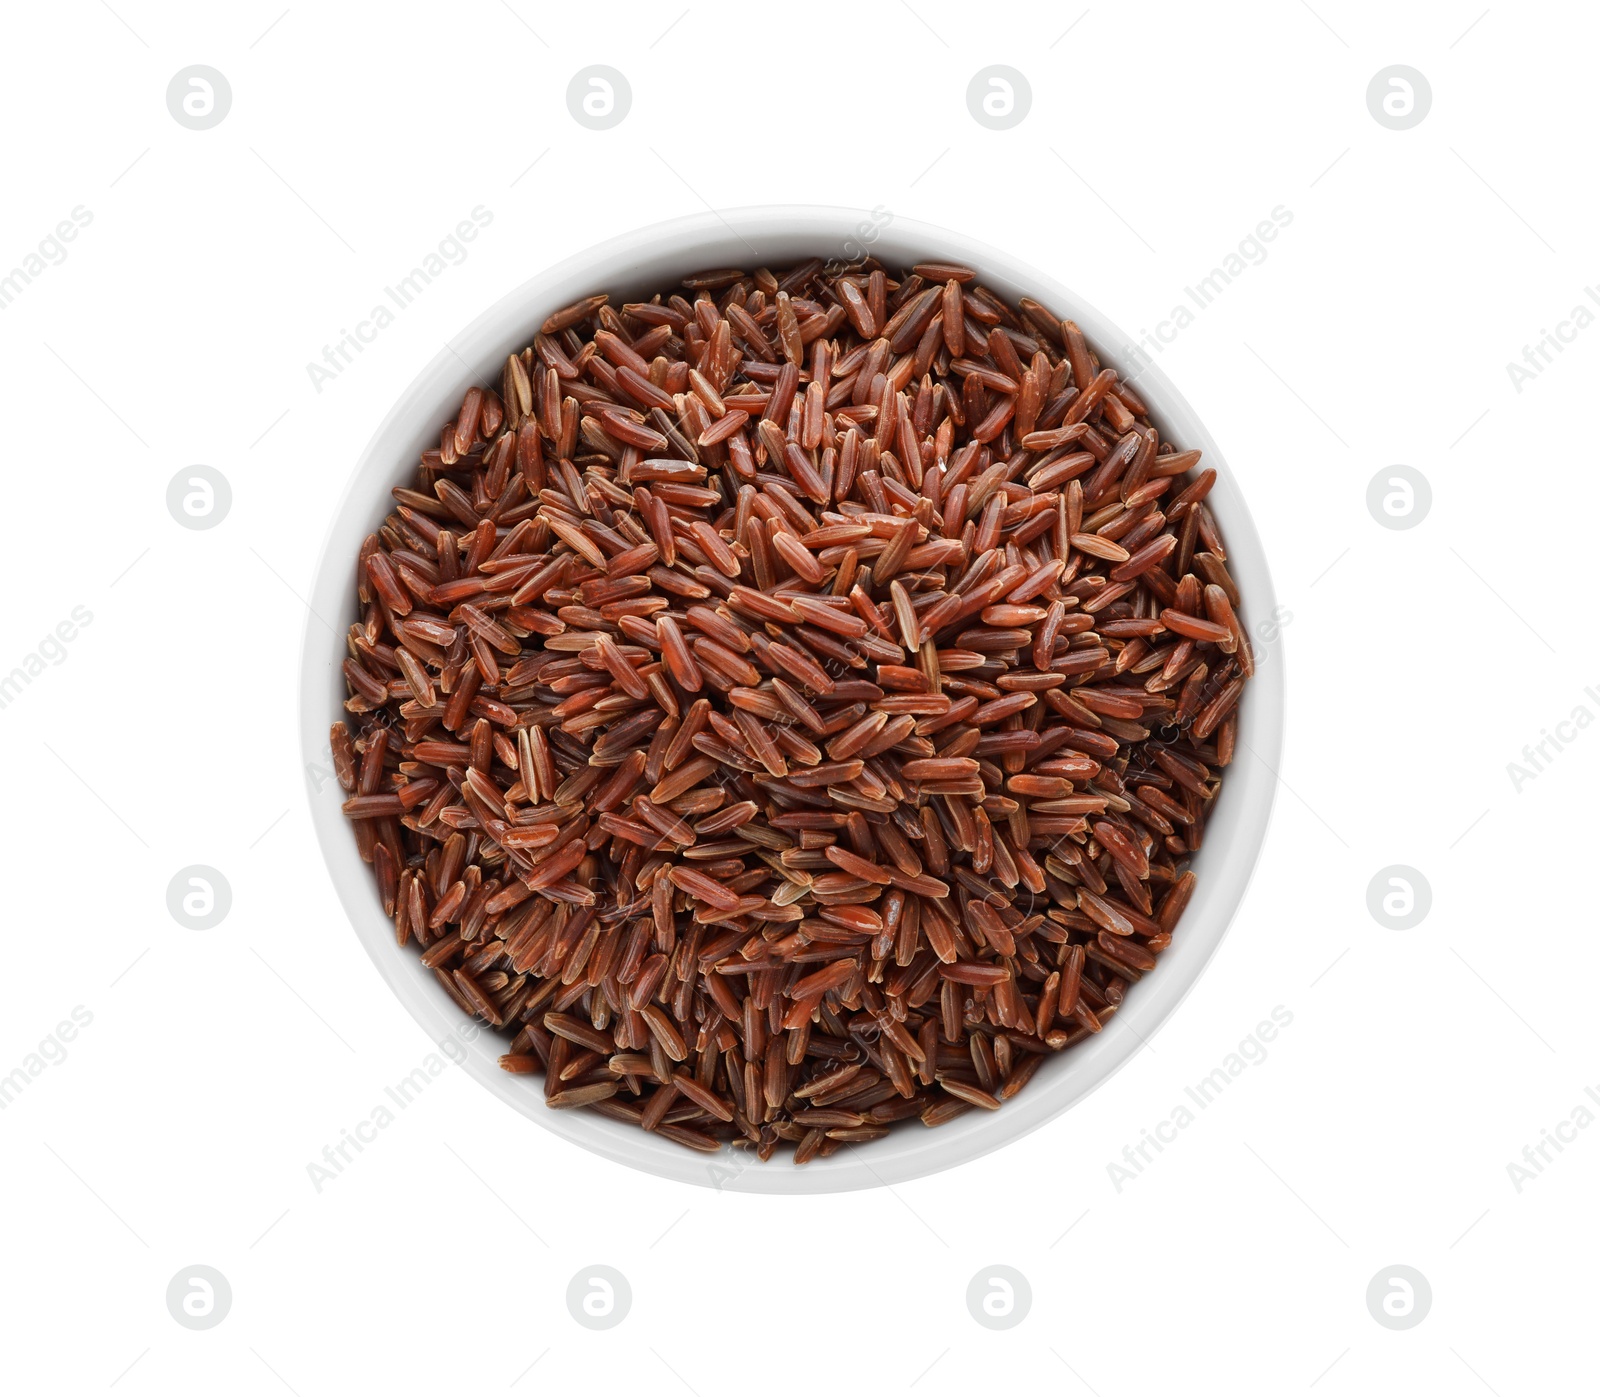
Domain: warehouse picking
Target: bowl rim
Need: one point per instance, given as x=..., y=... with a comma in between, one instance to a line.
x=754, y=236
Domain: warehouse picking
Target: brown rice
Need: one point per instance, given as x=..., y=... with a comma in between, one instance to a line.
x=788, y=706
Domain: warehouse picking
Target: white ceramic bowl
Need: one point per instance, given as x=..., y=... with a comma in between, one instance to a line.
x=634, y=266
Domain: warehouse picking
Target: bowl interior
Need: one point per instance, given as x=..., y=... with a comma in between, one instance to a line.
x=635, y=266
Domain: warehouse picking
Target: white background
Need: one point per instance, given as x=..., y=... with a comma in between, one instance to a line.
x=219, y=1063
